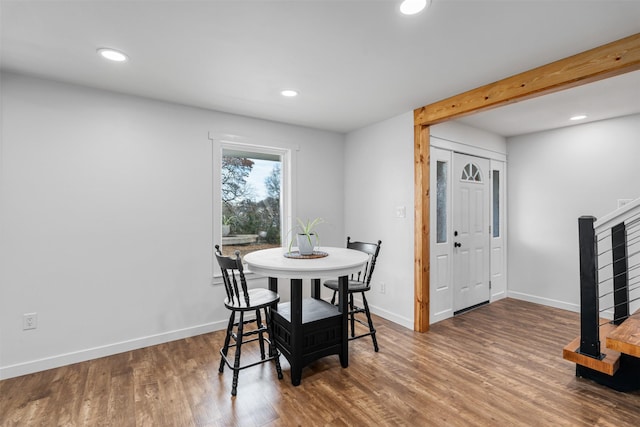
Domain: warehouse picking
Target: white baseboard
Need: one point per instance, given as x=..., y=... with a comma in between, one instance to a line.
x=57, y=361
x=408, y=323
x=498, y=295
x=392, y=317
x=388, y=315
x=545, y=301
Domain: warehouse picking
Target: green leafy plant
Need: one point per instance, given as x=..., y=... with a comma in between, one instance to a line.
x=228, y=220
x=306, y=228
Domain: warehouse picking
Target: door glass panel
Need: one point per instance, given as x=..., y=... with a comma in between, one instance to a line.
x=471, y=173
x=496, y=203
x=441, y=202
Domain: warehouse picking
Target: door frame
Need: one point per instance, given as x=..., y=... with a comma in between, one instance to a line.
x=441, y=296
x=609, y=60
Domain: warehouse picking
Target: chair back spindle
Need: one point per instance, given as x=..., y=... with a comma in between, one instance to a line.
x=364, y=275
x=232, y=273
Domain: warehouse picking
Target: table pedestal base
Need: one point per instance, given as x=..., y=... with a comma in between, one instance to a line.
x=306, y=330
x=321, y=334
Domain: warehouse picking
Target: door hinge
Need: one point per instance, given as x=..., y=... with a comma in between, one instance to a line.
x=489, y=284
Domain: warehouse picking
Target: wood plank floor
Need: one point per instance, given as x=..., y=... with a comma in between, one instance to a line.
x=498, y=365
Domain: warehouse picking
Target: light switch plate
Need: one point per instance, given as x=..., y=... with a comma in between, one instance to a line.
x=622, y=202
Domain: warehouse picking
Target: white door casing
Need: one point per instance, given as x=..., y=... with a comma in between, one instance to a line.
x=498, y=231
x=440, y=291
x=471, y=231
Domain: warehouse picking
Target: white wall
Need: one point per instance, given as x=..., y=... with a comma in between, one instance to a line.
x=106, y=227
x=379, y=178
x=554, y=178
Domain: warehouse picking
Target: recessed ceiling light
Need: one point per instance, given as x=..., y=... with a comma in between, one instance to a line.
x=579, y=117
x=289, y=93
x=112, y=54
x=411, y=7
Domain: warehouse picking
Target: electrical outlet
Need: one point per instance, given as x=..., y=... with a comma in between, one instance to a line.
x=29, y=321
x=383, y=288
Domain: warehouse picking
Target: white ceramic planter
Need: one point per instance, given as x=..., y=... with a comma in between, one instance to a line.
x=306, y=244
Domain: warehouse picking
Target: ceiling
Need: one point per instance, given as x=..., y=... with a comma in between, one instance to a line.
x=614, y=97
x=354, y=62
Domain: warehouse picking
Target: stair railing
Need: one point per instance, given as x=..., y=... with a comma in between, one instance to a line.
x=609, y=272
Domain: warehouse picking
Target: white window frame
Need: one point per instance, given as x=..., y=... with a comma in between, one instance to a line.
x=287, y=158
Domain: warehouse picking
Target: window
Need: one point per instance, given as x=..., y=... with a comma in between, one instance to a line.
x=251, y=196
x=441, y=202
x=471, y=173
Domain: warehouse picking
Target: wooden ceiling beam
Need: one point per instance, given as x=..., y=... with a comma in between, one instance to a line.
x=605, y=61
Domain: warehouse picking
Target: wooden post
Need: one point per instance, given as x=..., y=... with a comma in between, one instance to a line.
x=620, y=276
x=589, y=304
x=421, y=229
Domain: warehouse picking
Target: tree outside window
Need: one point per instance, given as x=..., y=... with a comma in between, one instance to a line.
x=251, y=204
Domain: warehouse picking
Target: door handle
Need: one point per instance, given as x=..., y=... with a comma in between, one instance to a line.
x=457, y=245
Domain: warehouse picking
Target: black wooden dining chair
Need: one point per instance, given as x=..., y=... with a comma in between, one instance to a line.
x=240, y=301
x=359, y=283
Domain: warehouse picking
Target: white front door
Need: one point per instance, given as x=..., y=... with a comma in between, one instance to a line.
x=471, y=231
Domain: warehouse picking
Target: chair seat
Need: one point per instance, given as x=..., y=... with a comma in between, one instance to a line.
x=258, y=298
x=354, y=286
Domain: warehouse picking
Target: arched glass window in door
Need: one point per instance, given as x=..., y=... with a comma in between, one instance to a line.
x=471, y=173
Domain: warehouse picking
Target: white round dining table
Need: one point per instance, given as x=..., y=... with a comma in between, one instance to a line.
x=274, y=263
x=308, y=329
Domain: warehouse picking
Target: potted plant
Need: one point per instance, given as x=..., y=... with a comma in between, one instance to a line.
x=226, y=224
x=305, y=236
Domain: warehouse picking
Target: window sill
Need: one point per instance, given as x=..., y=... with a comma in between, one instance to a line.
x=248, y=274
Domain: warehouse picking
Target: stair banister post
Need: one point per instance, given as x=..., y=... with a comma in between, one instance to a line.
x=620, y=276
x=589, y=304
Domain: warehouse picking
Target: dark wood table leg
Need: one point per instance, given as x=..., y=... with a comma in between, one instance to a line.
x=296, y=331
x=343, y=307
x=315, y=288
x=273, y=286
